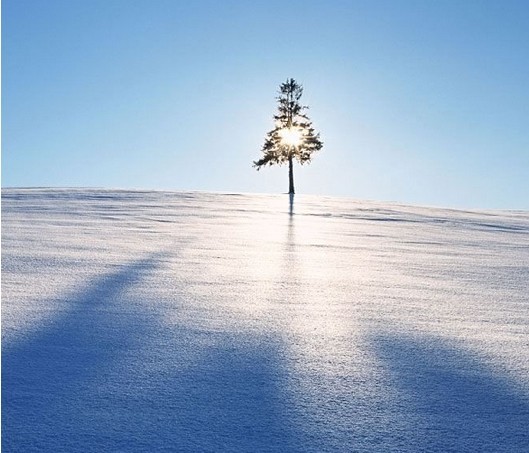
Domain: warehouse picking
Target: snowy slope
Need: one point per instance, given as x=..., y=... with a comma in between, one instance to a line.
x=155, y=321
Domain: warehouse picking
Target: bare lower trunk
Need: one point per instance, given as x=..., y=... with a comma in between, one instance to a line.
x=290, y=175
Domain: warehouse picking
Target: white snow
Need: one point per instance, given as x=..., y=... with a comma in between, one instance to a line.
x=155, y=321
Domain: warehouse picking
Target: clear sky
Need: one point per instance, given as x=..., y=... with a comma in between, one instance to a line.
x=424, y=102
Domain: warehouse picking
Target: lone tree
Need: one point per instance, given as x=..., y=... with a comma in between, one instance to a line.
x=293, y=136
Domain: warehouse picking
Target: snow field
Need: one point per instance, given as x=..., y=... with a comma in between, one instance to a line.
x=157, y=321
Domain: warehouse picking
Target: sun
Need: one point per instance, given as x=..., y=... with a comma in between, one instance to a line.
x=291, y=136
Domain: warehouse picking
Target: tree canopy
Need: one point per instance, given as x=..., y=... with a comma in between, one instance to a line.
x=293, y=137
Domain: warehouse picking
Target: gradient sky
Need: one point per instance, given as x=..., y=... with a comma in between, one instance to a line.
x=423, y=102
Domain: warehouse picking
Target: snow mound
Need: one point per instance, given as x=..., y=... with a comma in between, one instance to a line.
x=158, y=321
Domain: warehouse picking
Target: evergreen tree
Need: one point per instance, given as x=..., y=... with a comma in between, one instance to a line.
x=293, y=136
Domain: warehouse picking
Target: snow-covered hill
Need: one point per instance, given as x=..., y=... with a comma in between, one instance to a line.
x=155, y=321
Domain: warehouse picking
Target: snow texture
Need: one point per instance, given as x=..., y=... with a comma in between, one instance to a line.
x=153, y=321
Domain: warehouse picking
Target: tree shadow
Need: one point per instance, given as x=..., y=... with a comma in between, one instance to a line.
x=453, y=401
x=42, y=374
x=290, y=204
x=107, y=375
x=231, y=399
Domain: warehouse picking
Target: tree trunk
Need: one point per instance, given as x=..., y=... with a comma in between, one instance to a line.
x=290, y=176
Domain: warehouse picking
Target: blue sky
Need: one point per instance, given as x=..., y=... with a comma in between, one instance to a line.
x=424, y=102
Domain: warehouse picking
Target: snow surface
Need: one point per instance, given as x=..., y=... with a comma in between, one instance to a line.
x=154, y=321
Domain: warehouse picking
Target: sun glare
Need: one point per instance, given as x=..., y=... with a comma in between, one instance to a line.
x=291, y=136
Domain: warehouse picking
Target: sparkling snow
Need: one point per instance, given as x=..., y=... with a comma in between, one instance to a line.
x=155, y=321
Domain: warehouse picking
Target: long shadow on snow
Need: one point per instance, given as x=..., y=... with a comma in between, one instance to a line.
x=455, y=403
x=63, y=391
x=44, y=375
x=230, y=399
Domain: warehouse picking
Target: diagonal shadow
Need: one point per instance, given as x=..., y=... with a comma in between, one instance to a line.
x=231, y=399
x=455, y=403
x=107, y=376
x=42, y=373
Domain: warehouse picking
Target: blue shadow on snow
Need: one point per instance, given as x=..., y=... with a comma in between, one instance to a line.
x=455, y=402
x=107, y=375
